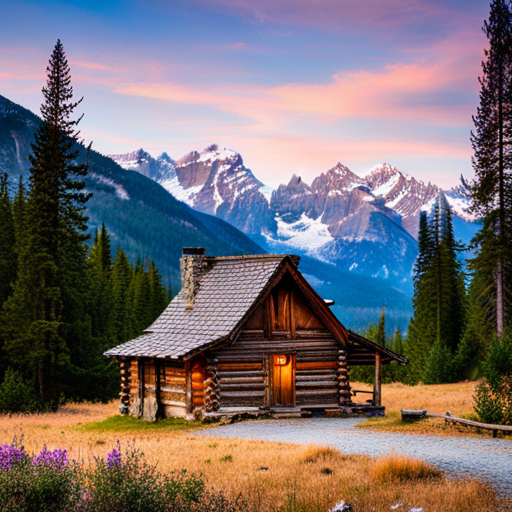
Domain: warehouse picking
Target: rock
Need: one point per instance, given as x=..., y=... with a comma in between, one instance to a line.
x=342, y=507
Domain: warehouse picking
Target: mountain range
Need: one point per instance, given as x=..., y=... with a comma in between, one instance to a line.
x=364, y=225
x=154, y=207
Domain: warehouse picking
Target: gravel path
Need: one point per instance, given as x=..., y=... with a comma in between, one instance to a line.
x=487, y=458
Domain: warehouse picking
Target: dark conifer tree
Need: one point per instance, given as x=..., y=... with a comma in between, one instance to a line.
x=158, y=292
x=122, y=277
x=491, y=191
x=100, y=289
x=44, y=322
x=381, y=329
x=439, y=300
x=8, y=263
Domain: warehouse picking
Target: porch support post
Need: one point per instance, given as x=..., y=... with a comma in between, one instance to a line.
x=378, y=380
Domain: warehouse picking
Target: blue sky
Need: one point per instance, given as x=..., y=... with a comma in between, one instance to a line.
x=295, y=86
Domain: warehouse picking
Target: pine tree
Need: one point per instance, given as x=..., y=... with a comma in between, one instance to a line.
x=381, y=329
x=439, y=301
x=122, y=277
x=8, y=263
x=491, y=191
x=44, y=323
x=100, y=290
x=158, y=293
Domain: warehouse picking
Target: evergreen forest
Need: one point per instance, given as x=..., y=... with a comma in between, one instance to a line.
x=62, y=303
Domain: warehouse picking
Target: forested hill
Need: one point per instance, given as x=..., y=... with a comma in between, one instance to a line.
x=147, y=220
x=138, y=213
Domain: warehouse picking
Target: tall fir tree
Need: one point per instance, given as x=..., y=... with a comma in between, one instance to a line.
x=381, y=328
x=8, y=263
x=491, y=191
x=44, y=324
x=122, y=277
x=439, y=300
x=101, y=298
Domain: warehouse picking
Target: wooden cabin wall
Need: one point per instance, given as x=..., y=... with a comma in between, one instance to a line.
x=282, y=325
x=172, y=388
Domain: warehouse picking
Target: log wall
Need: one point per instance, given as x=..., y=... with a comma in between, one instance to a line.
x=172, y=388
x=244, y=368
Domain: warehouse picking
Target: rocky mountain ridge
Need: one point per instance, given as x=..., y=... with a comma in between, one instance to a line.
x=366, y=225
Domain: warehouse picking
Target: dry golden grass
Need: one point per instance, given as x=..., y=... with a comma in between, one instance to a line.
x=439, y=398
x=272, y=476
x=397, y=467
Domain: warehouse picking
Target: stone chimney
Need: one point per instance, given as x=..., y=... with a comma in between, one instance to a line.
x=193, y=266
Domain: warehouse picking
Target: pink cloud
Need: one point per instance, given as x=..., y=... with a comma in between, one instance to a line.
x=94, y=65
x=401, y=91
x=235, y=46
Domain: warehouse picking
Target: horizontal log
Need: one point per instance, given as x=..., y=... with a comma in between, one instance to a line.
x=317, y=383
x=172, y=402
x=316, y=365
x=309, y=377
x=241, y=394
x=240, y=366
x=232, y=374
x=248, y=385
x=241, y=378
x=307, y=392
x=407, y=414
x=169, y=389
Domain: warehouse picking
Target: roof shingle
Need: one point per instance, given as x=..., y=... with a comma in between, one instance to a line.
x=226, y=293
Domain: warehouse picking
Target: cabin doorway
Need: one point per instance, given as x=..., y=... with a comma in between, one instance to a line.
x=282, y=386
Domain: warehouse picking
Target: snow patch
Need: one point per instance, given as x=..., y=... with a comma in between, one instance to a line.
x=120, y=190
x=186, y=195
x=267, y=192
x=458, y=206
x=387, y=187
x=308, y=235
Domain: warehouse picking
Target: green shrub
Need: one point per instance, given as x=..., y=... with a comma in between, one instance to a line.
x=493, y=399
x=487, y=405
x=17, y=394
x=124, y=482
x=48, y=482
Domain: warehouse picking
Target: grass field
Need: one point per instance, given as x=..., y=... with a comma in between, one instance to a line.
x=457, y=399
x=271, y=476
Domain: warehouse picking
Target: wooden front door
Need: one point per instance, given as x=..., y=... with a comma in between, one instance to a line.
x=283, y=389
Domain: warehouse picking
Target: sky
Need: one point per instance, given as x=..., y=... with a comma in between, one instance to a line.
x=294, y=86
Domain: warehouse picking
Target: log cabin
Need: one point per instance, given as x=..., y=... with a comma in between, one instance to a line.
x=244, y=333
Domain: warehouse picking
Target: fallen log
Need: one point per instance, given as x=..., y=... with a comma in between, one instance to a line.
x=423, y=413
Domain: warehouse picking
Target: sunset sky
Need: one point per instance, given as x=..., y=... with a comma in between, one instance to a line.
x=293, y=85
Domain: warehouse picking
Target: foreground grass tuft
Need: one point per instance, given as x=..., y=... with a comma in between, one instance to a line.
x=128, y=423
x=398, y=467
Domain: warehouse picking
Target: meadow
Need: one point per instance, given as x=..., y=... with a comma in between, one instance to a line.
x=270, y=476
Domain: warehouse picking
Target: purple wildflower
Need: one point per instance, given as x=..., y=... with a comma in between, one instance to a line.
x=12, y=455
x=114, y=458
x=56, y=459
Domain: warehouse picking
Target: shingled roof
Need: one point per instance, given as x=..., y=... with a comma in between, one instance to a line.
x=227, y=291
x=224, y=290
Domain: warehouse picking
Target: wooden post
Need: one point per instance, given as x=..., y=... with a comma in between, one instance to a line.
x=378, y=380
